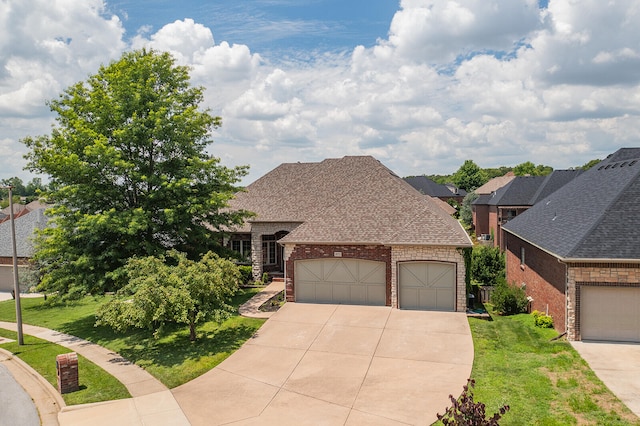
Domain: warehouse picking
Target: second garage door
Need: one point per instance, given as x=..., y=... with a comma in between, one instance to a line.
x=610, y=313
x=341, y=280
x=427, y=285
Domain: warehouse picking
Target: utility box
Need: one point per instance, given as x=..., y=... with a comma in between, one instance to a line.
x=67, y=368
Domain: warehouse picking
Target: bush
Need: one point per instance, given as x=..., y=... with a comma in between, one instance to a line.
x=487, y=265
x=246, y=273
x=509, y=299
x=542, y=320
x=465, y=411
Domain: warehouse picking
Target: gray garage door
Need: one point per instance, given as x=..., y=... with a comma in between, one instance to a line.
x=341, y=280
x=610, y=313
x=427, y=285
x=6, y=278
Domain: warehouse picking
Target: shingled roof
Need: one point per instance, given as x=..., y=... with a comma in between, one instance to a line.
x=353, y=200
x=25, y=231
x=527, y=190
x=428, y=187
x=595, y=216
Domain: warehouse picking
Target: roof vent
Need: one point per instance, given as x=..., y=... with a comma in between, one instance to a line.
x=624, y=164
x=633, y=162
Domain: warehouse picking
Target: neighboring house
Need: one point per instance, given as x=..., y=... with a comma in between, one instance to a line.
x=492, y=211
x=350, y=231
x=18, y=210
x=495, y=184
x=25, y=226
x=577, y=252
x=428, y=187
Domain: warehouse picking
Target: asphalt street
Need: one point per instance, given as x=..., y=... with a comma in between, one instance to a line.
x=17, y=407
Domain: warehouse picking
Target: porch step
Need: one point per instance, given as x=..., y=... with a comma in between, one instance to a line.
x=277, y=280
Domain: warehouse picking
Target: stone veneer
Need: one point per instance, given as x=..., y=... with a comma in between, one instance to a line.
x=258, y=229
x=595, y=274
x=429, y=254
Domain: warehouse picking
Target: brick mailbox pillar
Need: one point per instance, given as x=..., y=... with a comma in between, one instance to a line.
x=67, y=368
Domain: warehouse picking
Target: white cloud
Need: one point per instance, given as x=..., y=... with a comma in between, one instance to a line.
x=500, y=82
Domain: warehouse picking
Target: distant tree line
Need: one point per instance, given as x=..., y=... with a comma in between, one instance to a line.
x=470, y=176
x=29, y=191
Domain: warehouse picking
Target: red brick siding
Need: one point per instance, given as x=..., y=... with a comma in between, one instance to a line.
x=481, y=219
x=304, y=251
x=493, y=225
x=543, y=275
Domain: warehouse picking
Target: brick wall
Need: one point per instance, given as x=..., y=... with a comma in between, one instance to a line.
x=595, y=274
x=433, y=254
x=481, y=219
x=493, y=225
x=307, y=251
x=542, y=275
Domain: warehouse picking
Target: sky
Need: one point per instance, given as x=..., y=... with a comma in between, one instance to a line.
x=422, y=85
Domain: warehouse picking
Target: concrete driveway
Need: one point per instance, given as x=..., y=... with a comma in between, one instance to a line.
x=618, y=366
x=337, y=365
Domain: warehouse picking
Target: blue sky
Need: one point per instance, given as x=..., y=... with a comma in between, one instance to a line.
x=273, y=27
x=422, y=85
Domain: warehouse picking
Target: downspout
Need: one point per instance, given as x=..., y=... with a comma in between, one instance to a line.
x=566, y=296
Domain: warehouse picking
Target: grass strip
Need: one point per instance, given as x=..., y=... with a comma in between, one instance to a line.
x=171, y=358
x=544, y=381
x=96, y=384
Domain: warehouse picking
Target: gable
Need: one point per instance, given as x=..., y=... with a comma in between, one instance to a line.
x=590, y=217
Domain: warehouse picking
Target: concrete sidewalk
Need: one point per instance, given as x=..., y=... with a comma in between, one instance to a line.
x=152, y=402
x=251, y=308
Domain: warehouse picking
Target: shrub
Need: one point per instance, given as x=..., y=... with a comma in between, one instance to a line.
x=246, y=272
x=542, y=320
x=487, y=265
x=509, y=299
x=465, y=411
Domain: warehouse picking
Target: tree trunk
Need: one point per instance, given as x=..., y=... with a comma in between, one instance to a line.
x=192, y=331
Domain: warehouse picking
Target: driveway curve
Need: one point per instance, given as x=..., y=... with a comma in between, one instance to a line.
x=337, y=365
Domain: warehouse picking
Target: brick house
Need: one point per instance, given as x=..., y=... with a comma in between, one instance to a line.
x=577, y=252
x=350, y=231
x=491, y=211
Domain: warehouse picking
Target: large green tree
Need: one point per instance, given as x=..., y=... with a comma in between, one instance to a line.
x=469, y=176
x=529, y=169
x=128, y=159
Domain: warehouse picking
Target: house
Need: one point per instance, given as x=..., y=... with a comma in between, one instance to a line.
x=25, y=226
x=444, y=192
x=577, y=252
x=350, y=231
x=492, y=211
x=495, y=183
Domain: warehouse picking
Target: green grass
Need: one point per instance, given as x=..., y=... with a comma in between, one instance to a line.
x=544, y=382
x=171, y=358
x=96, y=385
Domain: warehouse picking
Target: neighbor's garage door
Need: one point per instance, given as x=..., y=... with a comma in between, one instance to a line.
x=610, y=313
x=341, y=280
x=427, y=285
x=6, y=278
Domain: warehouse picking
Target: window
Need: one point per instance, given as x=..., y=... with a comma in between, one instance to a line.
x=521, y=256
x=242, y=246
x=268, y=249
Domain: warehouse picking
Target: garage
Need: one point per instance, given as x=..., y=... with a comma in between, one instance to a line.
x=6, y=277
x=610, y=313
x=341, y=280
x=427, y=285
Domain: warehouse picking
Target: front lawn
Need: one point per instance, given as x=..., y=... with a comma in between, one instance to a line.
x=96, y=385
x=544, y=382
x=171, y=358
